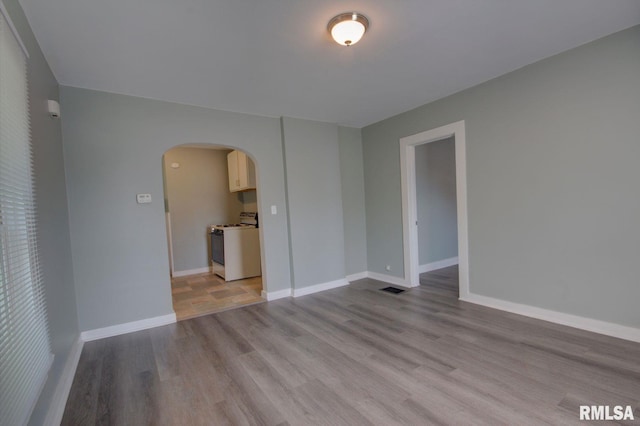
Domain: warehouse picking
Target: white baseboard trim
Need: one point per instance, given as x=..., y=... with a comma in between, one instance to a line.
x=297, y=292
x=358, y=276
x=191, y=272
x=61, y=394
x=129, y=327
x=388, y=279
x=575, y=321
x=444, y=263
x=275, y=295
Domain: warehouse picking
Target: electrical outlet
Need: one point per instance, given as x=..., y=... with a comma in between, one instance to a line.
x=387, y=268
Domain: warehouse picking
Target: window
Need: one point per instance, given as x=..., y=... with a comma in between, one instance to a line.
x=25, y=353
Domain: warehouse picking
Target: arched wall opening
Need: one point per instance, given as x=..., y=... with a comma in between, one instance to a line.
x=206, y=186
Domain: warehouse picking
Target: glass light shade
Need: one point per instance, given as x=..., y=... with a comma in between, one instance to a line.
x=347, y=33
x=348, y=28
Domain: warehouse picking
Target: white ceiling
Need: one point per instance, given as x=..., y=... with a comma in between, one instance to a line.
x=274, y=57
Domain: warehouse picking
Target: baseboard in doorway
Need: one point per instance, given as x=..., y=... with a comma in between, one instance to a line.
x=575, y=321
x=61, y=394
x=129, y=327
x=177, y=274
x=444, y=263
x=275, y=295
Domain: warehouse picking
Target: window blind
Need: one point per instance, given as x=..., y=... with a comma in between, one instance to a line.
x=25, y=354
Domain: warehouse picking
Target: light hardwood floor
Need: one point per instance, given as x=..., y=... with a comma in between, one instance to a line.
x=354, y=356
x=201, y=294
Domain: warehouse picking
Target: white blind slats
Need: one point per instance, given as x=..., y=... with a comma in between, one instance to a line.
x=25, y=350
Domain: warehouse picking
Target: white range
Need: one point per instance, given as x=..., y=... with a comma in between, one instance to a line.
x=235, y=248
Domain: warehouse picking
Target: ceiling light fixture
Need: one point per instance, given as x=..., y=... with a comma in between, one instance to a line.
x=348, y=28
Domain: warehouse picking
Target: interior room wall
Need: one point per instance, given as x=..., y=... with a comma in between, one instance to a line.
x=552, y=166
x=113, y=147
x=354, y=217
x=198, y=196
x=436, y=201
x=53, y=219
x=312, y=160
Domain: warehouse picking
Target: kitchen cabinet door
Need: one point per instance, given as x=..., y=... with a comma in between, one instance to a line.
x=242, y=174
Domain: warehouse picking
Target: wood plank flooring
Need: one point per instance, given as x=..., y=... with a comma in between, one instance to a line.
x=202, y=294
x=355, y=356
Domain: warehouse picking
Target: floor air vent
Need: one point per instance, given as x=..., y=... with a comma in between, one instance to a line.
x=394, y=290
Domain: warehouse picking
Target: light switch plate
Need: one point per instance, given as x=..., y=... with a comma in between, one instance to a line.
x=274, y=210
x=143, y=198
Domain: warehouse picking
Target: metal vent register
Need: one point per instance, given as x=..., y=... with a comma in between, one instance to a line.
x=394, y=290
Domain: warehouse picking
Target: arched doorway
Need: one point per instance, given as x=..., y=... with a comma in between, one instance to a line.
x=207, y=188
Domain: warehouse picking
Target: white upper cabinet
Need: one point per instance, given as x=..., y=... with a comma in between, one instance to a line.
x=242, y=172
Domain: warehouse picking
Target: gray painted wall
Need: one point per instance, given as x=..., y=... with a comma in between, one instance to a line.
x=53, y=219
x=436, y=201
x=354, y=217
x=198, y=196
x=113, y=147
x=315, y=201
x=552, y=163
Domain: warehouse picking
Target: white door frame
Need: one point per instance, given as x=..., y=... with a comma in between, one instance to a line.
x=409, y=203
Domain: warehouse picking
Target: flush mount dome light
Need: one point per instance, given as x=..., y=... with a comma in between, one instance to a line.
x=348, y=28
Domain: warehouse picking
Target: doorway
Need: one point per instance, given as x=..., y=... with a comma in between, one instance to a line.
x=198, y=194
x=436, y=205
x=410, y=202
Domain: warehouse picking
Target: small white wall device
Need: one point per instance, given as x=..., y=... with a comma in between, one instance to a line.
x=54, y=108
x=143, y=198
